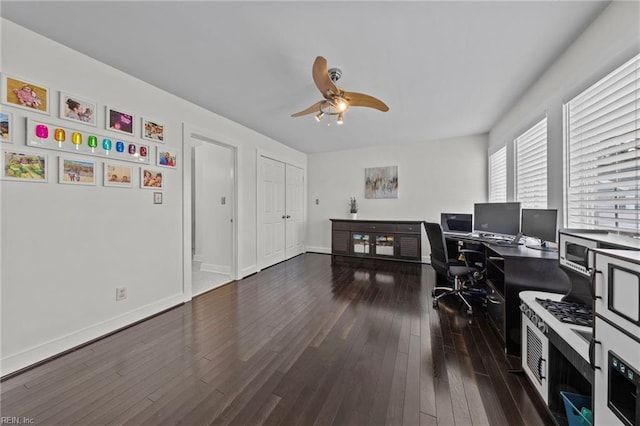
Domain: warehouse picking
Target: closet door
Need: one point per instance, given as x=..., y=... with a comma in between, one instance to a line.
x=294, y=177
x=271, y=205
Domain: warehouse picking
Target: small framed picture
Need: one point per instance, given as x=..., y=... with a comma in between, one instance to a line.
x=24, y=166
x=77, y=172
x=118, y=175
x=165, y=158
x=74, y=108
x=25, y=94
x=119, y=121
x=6, y=127
x=151, y=178
x=152, y=130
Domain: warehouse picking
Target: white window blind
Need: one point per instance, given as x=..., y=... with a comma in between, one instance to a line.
x=602, y=131
x=531, y=167
x=498, y=176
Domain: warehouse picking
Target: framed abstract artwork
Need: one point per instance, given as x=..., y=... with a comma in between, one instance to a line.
x=381, y=182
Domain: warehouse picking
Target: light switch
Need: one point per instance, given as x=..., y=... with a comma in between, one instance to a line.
x=157, y=198
x=223, y=200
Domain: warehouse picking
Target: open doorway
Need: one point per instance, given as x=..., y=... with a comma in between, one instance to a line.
x=212, y=213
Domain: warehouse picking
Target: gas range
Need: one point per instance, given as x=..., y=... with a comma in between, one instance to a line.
x=568, y=312
x=553, y=324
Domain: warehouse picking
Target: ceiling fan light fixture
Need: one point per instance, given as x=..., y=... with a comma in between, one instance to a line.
x=319, y=116
x=339, y=120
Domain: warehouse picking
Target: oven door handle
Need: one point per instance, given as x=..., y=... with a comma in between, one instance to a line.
x=592, y=274
x=592, y=353
x=540, y=360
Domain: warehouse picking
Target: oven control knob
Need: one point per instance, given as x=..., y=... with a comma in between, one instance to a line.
x=523, y=307
x=542, y=326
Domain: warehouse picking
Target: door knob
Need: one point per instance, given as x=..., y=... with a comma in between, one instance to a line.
x=288, y=217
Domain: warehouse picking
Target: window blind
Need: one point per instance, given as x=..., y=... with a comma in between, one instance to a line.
x=498, y=176
x=531, y=167
x=602, y=165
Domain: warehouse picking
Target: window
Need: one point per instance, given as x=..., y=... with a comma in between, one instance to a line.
x=602, y=157
x=531, y=167
x=498, y=176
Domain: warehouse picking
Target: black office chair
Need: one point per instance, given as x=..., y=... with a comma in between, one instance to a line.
x=462, y=275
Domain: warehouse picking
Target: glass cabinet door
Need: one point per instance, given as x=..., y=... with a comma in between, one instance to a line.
x=360, y=243
x=385, y=245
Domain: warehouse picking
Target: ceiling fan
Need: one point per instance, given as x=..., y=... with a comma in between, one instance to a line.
x=336, y=101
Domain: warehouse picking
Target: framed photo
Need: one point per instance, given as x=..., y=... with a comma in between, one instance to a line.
x=25, y=94
x=119, y=121
x=165, y=158
x=74, y=108
x=152, y=130
x=77, y=172
x=24, y=166
x=118, y=175
x=6, y=127
x=151, y=178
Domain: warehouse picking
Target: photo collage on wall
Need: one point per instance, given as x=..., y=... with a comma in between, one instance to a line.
x=76, y=136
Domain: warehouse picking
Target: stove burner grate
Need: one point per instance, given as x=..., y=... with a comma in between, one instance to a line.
x=568, y=312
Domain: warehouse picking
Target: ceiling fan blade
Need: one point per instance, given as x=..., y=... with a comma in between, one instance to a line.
x=313, y=108
x=322, y=79
x=362, y=100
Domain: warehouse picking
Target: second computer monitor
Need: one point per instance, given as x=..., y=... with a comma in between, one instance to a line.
x=497, y=218
x=540, y=224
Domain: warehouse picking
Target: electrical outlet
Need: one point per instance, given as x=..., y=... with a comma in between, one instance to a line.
x=121, y=293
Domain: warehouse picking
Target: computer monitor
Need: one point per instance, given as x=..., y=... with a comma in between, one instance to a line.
x=497, y=218
x=542, y=225
x=456, y=222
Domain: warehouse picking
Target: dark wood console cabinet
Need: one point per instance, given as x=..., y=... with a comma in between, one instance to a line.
x=377, y=239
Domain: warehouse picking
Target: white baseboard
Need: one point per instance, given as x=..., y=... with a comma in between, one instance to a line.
x=248, y=271
x=35, y=354
x=218, y=269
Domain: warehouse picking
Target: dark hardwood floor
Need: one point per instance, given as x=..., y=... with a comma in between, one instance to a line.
x=303, y=342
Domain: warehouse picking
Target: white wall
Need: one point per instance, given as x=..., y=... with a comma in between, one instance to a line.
x=433, y=177
x=612, y=39
x=65, y=249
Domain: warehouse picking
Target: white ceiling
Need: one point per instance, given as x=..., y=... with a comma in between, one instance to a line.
x=445, y=69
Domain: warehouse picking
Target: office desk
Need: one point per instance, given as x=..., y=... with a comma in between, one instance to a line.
x=510, y=270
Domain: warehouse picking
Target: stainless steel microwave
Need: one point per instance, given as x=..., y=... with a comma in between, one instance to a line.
x=575, y=253
x=576, y=246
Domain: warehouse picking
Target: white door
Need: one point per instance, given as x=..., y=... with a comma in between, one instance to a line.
x=294, y=234
x=271, y=205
